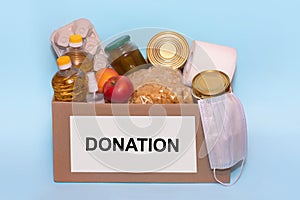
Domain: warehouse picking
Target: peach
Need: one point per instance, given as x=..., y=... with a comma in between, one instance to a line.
x=102, y=75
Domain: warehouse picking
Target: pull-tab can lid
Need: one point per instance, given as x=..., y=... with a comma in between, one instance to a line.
x=168, y=49
x=210, y=83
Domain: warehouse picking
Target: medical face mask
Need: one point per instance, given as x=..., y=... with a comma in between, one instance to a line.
x=225, y=131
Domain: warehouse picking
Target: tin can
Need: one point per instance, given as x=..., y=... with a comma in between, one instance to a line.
x=210, y=83
x=168, y=49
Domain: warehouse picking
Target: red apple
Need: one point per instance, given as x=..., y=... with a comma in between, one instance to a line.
x=118, y=89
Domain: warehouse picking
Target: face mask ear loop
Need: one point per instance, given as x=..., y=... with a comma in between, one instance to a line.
x=237, y=178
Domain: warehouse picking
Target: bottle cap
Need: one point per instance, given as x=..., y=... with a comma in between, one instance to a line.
x=75, y=40
x=117, y=43
x=92, y=82
x=168, y=49
x=210, y=83
x=64, y=62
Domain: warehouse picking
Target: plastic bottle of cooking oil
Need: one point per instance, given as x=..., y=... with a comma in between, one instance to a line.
x=93, y=96
x=69, y=84
x=79, y=57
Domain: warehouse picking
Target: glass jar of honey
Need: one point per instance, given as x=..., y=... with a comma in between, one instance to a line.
x=124, y=55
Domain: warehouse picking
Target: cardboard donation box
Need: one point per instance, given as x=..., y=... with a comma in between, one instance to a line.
x=135, y=141
x=130, y=143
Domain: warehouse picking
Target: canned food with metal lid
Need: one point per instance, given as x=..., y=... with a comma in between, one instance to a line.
x=210, y=83
x=168, y=49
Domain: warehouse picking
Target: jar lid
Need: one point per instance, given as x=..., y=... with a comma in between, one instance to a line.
x=117, y=43
x=210, y=83
x=168, y=49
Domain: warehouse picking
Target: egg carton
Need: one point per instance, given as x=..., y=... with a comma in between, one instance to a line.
x=91, y=42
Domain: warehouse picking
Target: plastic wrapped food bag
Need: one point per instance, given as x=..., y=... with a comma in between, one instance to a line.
x=158, y=85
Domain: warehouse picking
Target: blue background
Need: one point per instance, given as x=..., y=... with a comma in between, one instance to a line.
x=266, y=35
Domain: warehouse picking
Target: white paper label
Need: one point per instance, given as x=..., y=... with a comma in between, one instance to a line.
x=133, y=144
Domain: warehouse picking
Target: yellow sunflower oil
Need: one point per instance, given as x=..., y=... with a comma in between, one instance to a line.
x=79, y=57
x=69, y=83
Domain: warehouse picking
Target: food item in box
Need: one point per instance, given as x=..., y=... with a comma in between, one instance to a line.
x=158, y=85
x=210, y=83
x=103, y=75
x=69, y=84
x=168, y=49
x=91, y=42
x=152, y=93
x=80, y=58
x=118, y=89
x=123, y=55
